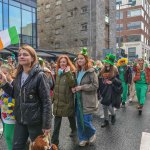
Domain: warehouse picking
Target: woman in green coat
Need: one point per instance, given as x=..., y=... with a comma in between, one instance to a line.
x=63, y=100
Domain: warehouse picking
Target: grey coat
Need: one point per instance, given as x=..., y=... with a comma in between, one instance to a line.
x=89, y=86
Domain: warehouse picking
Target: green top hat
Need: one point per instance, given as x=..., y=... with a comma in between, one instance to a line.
x=84, y=51
x=110, y=59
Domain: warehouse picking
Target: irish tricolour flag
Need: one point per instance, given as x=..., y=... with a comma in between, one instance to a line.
x=8, y=37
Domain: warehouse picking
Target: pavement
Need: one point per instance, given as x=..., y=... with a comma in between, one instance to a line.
x=131, y=131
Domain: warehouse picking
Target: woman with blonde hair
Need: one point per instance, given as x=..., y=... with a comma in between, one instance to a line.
x=30, y=89
x=7, y=108
x=63, y=99
x=86, y=98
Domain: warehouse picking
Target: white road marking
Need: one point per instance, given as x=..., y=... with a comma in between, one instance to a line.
x=145, y=141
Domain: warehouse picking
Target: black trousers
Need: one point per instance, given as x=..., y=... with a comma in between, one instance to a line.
x=21, y=134
x=57, y=124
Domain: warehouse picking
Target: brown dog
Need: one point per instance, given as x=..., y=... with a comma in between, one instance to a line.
x=42, y=143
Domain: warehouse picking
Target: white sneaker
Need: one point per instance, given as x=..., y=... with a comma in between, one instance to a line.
x=83, y=143
x=92, y=139
x=130, y=100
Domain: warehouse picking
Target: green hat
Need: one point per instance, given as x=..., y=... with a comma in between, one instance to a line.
x=84, y=51
x=110, y=59
x=41, y=61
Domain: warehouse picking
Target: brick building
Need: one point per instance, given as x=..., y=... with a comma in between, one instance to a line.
x=72, y=24
x=133, y=27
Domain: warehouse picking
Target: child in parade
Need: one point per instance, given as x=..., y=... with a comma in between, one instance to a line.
x=110, y=88
x=86, y=98
x=7, y=109
x=125, y=75
x=63, y=98
x=142, y=80
x=30, y=88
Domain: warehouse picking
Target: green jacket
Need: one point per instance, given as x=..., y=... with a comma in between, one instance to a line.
x=63, y=98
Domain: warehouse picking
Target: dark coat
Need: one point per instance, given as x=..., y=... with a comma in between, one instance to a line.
x=33, y=104
x=127, y=75
x=63, y=98
x=111, y=93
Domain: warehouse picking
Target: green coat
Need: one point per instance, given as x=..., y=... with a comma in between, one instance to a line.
x=63, y=98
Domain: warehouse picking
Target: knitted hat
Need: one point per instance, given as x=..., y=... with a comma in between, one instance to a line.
x=110, y=59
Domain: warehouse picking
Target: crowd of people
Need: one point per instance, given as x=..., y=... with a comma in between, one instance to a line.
x=34, y=90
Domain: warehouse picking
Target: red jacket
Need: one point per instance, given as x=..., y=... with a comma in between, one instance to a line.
x=138, y=74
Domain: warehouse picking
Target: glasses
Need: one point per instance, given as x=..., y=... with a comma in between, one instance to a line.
x=122, y=61
x=140, y=60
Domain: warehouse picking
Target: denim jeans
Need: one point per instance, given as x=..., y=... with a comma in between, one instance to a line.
x=21, y=134
x=84, y=134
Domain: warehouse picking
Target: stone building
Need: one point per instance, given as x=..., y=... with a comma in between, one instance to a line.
x=72, y=24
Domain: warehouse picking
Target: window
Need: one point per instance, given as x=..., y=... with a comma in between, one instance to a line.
x=117, y=15
x=70, y=13
x=118, y=1
x=15, y=17
x=119, y=28
x=57, y=45
x=117, y=39
x=47, y=6
x=134, y=25
x=47, y=19
x=84, y=42
x=133, y=13
x=26, y=7
x=133, y=38
x=132, y=1
x=57, y=31
x=5, y=12
x=58, y=17
x=131, y=53
x=1, y=25
x=84, y=27
x=84, y=9
x=58, y=2
x=106, y=19
x=38, y=9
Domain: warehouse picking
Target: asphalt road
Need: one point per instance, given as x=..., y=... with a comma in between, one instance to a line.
x=124, y=135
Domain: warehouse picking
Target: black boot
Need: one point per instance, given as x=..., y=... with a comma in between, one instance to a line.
x=105, y=124
x=113, y=119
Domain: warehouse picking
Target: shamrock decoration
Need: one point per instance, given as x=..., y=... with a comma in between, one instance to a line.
x=84, y=51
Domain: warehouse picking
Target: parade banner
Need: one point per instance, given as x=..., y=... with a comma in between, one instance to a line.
x=8, y=37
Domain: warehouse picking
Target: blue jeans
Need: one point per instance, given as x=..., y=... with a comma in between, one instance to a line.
x=88, y=131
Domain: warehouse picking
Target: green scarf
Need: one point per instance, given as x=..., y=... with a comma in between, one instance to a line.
x=80, y=107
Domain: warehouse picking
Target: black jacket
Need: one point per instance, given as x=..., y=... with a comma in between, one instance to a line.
x=127, y=75
x=111, y=93
x=32, y=100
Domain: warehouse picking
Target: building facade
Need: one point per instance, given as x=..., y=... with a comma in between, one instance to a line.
x=133, y=27
x=72, y=24
x=22, y=14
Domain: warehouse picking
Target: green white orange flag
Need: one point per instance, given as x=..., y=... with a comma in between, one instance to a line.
x=8, y=37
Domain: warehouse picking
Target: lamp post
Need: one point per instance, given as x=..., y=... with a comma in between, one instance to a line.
x=119, y=40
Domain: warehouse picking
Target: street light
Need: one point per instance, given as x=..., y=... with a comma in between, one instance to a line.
x=119, y=40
